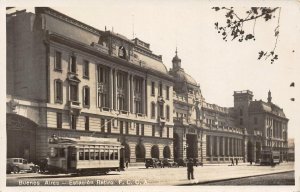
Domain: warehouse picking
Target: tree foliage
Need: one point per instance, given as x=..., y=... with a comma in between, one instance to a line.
x=234, y=27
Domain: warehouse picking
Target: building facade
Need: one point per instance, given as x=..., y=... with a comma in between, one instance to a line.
x=70, y=79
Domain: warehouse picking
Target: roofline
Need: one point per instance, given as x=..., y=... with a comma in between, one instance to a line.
x=52, y=36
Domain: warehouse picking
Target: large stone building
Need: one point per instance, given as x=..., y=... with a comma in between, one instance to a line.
x=70, y=79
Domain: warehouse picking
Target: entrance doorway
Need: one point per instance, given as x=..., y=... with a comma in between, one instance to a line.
x=155, y=152
x=192, y=147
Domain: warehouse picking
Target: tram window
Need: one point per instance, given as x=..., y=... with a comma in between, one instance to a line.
x=86, y=155
x=106, y=154
x=92, y=155
x=116, y=154
x=111, y=155
x=96, y=155
x=102, y=154
x=81, y=154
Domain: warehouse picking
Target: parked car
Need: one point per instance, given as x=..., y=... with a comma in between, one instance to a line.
x=197, y=162
x=16, y=165
x=152, y=162
x=169, y=163
x=181, y=162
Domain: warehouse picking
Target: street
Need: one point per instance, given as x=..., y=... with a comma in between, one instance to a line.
x=150, y=176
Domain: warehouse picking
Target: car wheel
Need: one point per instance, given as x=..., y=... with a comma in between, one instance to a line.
x=16, y=170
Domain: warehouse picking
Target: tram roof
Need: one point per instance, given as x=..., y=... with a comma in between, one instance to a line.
x=88, y=140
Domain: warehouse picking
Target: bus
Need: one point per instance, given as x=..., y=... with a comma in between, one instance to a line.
x=269, y=157
x=83, y=155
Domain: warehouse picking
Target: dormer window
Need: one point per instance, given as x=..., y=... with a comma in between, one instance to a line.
x=122, y=52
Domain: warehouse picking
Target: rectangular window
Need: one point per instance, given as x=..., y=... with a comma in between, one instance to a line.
x=102, y=125
x=81, y=156
x=86, y=96
x=168, y=132
x=152, y=110
x=109, y=126
x=167, y=113
x=106, y=154
x=111, y=154
x=167, y=92
x=153, y=130
x=160, y=90
x=96, y=154
x=137, y=129
x=126, y=128
x=92, y=154
x=142, y=129
x=116, y=157
x=152, y=88
x=73, y=122
x=86, y=155
x=73, y=64
x=86, y=123
x=58, y=60
x=86, y=73
x=58, y=91
x=59, y=120
x=73, y=92
x=102, y=155
x=121, y=128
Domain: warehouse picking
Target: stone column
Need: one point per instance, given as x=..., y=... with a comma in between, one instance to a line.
x=228, y=146
x=111, y=89
x=131, y=94
x=116, y=90
x=143, y=96
x=218, y=146
x=223, y=146
x=128, y=92
x=211, y=146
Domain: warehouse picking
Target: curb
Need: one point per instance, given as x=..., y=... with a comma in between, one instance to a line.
x=229, y=179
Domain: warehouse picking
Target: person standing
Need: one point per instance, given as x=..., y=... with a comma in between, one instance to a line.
x=190, y=169
x=232, y=163
x=127, y=164
x=236, y=161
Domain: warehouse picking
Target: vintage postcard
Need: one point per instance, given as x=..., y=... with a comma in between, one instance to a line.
x=150, y=95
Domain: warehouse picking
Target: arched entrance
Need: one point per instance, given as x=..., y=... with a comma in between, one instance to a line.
x=21, y=137
x=140, y=153
x=176, y=146
x=155, y=151
x=167, y=152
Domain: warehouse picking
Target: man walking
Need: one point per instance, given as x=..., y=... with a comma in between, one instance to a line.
x=190, y=169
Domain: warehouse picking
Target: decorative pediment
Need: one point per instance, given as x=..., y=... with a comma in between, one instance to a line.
x=73, y=78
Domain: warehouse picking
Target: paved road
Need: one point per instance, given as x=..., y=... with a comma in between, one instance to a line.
x=286, y=178
x=151, y=176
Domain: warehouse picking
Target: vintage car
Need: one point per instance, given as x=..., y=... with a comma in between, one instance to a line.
x=169, y=163
x=16, y=165
x=152, y=162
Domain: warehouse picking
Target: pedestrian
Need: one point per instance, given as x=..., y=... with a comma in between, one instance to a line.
x=127, y=164
x=190, y=169
x=236, y=161
x=250, y=161
x=232, y=163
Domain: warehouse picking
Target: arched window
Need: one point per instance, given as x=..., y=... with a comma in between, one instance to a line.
x=155, y=151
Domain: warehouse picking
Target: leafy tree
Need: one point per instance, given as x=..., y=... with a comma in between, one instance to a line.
x=234, y=27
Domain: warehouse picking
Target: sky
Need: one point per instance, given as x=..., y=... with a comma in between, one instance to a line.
x=219, y=67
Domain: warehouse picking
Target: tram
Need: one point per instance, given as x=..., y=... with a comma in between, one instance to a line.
x=83, y=155
x=269, y=157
